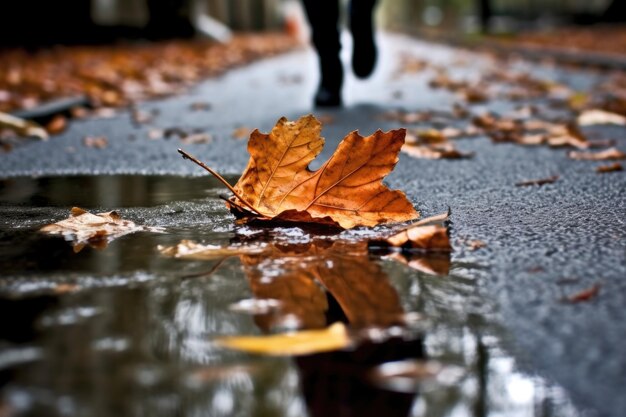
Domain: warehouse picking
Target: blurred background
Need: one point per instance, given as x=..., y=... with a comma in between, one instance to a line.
x=42, y=22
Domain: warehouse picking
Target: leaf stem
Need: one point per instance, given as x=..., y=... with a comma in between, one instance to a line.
x=219, y=178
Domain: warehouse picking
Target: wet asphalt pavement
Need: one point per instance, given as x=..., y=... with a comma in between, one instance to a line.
x=542, y=243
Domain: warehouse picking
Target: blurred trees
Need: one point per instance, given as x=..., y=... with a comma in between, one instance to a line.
x=498, y=15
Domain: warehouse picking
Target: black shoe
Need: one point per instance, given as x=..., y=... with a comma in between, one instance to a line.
x=364, y=52
x=327, y=97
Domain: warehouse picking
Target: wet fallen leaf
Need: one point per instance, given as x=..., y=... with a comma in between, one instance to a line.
x=175, y=131
x=196, y=138
x=473, y=245
x=610, y=154
x=347, y=191
x=104, y=113
x=430, y=136
x=96, y=230
x=584, y=295
x=326, y=119
x=66, y=288
x=200, y=106
x=57, y=125
x=22, y=127
x=440, y=151
x=609, y=168
x=537, y=182
x=79, y=112
x=141, y=116
x=429, y=234
x=188, y=249
x=475, y=95
x=408, y=117
x=600, y=117
x=411, y=65
x=98, y=142
x=155, y=134
x=305, y=342
x=241, y=132
x=5, y=146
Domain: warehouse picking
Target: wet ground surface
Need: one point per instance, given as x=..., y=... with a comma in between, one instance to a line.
x=133, y=326
x=125, y=330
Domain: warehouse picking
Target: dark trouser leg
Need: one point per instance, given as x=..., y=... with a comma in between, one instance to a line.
x=362, y=28
x=324, y=18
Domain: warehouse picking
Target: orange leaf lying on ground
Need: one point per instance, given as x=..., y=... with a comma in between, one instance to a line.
x=611, y=154
x=347, y=191
x=602, y=169
x=96, y=230
x=427, y=234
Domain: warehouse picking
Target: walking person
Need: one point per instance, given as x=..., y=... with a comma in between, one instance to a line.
x=323, y=16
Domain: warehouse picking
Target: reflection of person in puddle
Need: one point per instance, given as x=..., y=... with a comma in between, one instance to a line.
x=324, y=19
x=358, y=293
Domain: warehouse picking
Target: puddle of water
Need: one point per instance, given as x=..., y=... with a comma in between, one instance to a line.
x=126, y=330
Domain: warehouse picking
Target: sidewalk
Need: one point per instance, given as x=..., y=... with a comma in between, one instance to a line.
x=536, y=237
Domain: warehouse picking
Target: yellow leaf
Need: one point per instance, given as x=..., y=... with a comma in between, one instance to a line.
x=304, y=342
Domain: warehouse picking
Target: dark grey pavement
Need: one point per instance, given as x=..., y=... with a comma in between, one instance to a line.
x=542, y=243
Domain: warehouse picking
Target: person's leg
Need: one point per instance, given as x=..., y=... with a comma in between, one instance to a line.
x=323, y=16
x=362, y=28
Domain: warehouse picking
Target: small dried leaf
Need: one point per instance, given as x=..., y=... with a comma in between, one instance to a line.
x=609, y=168
x=155, y=134
x=141, y=116
x=600, y=117
x=22, y=127
x=584, y=295
x=57, y=125
x=197, y=138
x=200, y=106
x=442, y=151
x=241, y=132
x=96, y=230
x=425, y=235
x=188, y=249
x=431, y=136
x=567, y=140
x=326, y=119
x=305, y=342
x=475, y=95
x=98, y=142
x=538, y=182
x=66, y=288
x=610, y=154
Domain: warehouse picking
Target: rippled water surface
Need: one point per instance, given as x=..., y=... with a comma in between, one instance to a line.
x=125, y=330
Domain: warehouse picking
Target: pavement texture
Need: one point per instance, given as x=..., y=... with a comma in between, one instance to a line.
x=542, y=243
